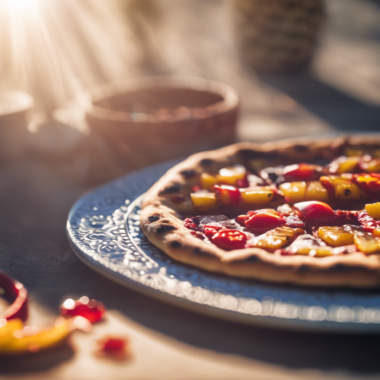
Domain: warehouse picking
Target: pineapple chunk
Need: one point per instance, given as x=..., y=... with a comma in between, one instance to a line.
x=315, y=251
x=376, y=232
x=208, y=181
x=203, y=202
x=323, y=252
x=367, y=243
x=257, y=197
x=342, y=188
x=336, y=236
x=316, y=192
x=349, y=192
x=373, y=210
x=277, y=238
x=348, y=165
x=294, y=191
x=353, y=151
x=373, y=166
x=230, y=176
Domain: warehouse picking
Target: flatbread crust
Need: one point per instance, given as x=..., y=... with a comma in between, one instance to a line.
x=162, y=221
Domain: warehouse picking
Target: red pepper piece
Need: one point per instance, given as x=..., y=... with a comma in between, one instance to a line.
x=369, y=183
x=211, y=230
x=227, y=195
x=302, y=172
x=327, y=184
x=264, y=220
x=314, y=211
x=84, y=307
x=16, y=291
x=241, y=219
x=229, y=239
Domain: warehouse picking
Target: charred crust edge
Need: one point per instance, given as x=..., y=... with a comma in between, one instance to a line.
x=153, y=218
x=301, y=148
x=201, y=252
x=163, y=228
x=303, y=268
x=188, y=173
x=171, y=189
x=175, y=244
x=339, y=268
x=206, y=162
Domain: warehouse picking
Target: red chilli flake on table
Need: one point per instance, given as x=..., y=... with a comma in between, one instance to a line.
x=114, y=347
x=84, y=307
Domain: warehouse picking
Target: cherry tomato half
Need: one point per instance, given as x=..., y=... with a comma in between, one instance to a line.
x=229, y=239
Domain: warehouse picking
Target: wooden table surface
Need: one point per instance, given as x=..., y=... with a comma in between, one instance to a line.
x=340, y=92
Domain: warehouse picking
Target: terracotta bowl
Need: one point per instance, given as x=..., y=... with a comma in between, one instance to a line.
x=147, y=120
x=14, y=107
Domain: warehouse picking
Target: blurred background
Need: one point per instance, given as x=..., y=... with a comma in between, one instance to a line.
x=299, y=68
x=74, y=113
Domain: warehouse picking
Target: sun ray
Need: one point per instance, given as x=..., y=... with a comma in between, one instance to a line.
x=58, y=49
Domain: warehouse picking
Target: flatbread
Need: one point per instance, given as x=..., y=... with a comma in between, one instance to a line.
x=162, y=220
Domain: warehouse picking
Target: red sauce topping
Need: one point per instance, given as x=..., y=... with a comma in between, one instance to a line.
x=227, y=195
x=367, y=222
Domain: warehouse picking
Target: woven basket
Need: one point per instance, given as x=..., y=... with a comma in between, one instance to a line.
x=277, y=35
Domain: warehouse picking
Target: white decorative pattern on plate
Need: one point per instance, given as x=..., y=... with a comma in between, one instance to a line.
x=103, y=227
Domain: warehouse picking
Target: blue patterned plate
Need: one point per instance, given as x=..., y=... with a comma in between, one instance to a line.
x=103, y=228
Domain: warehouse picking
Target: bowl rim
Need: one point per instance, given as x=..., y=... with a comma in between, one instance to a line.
x=23, y=102
x=229, y=94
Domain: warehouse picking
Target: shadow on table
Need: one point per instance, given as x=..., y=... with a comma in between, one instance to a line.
x=40, y=361
x=294, y=350
x=339, y=109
